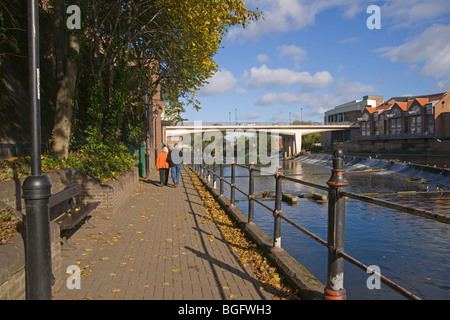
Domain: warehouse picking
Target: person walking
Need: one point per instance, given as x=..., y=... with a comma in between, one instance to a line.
x=162, y=165
x=174, y=159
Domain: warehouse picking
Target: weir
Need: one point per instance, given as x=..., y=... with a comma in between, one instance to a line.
x=435, y=178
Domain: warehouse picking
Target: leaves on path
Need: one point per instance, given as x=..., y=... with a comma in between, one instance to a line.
x=248, y=252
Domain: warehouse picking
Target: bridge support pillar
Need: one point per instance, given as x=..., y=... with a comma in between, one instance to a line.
x=298, y=143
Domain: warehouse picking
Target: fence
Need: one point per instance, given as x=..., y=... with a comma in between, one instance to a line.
x=334, y=289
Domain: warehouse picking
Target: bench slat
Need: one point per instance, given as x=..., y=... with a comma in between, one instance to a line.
x=67, y=221
x=63, y=196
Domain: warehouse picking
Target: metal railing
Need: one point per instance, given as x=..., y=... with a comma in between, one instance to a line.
x=334, y=289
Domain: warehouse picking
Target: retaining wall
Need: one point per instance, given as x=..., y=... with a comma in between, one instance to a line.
x=12, y=253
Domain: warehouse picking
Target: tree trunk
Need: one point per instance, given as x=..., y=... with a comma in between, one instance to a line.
x=64, y=100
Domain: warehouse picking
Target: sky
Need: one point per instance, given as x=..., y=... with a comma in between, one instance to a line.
x=309, y=56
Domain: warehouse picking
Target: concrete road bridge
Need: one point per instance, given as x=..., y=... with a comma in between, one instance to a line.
x=291, y=135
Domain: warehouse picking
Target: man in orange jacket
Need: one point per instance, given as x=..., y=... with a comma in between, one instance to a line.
x=163, y=166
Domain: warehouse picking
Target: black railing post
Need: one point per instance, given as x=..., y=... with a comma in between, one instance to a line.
x=221, y=178
x=214, y=174
x=251, y=191
x=277, y=212
x=334, y=289
x=202, y=170
x=233, y=183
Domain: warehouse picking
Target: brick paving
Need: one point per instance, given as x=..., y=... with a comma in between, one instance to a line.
x=157, y=246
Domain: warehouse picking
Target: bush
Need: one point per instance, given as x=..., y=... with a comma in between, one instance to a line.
x=103, y=162
x=9, y=225
x=100, y=161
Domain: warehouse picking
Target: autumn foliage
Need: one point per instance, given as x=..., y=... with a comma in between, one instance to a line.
x=247, y=252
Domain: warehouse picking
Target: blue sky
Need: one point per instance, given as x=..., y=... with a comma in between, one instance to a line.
x=308, y=56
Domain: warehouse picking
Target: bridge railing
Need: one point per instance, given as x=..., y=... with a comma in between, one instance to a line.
x=243, y=123
x=335, y=187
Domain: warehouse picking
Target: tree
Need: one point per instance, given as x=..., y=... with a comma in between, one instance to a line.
x=66, y=76
x=130, y=47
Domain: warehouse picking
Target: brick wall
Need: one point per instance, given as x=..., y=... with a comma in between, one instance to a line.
x=12, y=265
x=12, y=253
x=110, y=194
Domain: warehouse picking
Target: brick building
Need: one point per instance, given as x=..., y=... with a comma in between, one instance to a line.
x=409, y=123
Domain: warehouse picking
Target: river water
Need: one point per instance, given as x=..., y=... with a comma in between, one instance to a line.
x=412, y=251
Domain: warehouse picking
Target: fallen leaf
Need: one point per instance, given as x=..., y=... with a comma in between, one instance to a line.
x=115, y=290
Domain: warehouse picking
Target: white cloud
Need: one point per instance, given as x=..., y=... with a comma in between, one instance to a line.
x=241, y=91
x=292, y=15
x=264, y=76
x=340, y=92
x=279, y=16
x=221, y=82
x=413, y=13
x=262, y=58
x=293, y=51
x=432, y=48
x=442, y=86
x=349, y=40
x=280, y=98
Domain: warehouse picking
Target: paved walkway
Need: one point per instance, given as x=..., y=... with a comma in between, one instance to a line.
x=157, y=246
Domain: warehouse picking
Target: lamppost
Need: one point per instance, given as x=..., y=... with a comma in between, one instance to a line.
x=147, y=136
x=36, y=188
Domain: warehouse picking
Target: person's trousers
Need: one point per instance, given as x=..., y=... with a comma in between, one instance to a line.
x=175, y=173
x=164, y=175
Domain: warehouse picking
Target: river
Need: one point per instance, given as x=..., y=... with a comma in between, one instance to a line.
x=410, y=250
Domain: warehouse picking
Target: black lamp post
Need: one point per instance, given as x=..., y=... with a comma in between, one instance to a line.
x=147, y=136
x=36, y=188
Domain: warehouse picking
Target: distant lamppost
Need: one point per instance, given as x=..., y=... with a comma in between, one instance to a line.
x=147, y=135
x=36, y=188
x=235, y=115
x=155, y=115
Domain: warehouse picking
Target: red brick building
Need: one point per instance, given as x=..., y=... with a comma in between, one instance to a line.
x=412, y=123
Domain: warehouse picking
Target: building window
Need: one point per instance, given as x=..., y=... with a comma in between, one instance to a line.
x=415, y=124
x=430, y=124
x=365, y=128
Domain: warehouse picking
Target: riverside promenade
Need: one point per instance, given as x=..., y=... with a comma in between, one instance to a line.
x=158, y=246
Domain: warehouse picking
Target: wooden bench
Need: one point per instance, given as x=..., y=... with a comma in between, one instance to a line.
x=65, y=213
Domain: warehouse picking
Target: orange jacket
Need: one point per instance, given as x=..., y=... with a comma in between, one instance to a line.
x=161, y=161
